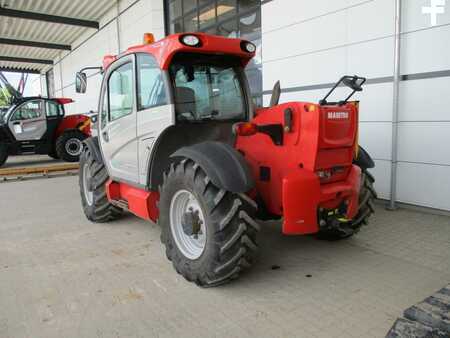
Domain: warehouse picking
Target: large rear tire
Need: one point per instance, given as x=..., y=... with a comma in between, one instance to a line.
x=3, y=154
x=367, y=195
x=209, y=233
x=92, y=180
x=70, y=145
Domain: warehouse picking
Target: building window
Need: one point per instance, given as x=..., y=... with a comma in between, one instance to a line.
x=230, y=18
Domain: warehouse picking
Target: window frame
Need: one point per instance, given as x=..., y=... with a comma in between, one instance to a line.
x=105, y=90
x=245, y=92
x=11, y=117
x=164, y=82
x=133, y=88
x=60, y=109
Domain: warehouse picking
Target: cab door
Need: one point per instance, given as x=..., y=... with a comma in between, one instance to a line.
x=118, y=138
x=54, y=113
x=28, y=122
x=154, y=112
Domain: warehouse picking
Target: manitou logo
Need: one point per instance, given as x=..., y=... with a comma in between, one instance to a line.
x=337, y=115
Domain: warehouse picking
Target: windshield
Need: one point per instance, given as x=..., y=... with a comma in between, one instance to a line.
x=208, y=87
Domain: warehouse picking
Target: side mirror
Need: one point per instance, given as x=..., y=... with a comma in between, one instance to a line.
x=353, y=83
x=80, y=82
x=276, y=92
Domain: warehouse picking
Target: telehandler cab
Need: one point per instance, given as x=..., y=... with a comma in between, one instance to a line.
x=179, y=143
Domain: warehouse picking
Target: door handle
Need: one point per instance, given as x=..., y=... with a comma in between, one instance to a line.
x=106, y=136
x=16, y=123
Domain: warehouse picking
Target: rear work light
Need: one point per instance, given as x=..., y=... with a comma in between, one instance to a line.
x=245, y=129
x=190, y=40
x=248, y=47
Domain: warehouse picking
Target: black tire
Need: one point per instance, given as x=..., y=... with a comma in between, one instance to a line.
x=53, y=154
x=230, y=229
x=367, y=195
x=3, y=154
x=62, y=145
x=99, y=209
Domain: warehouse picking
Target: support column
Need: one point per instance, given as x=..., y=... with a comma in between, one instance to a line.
x=397, y=35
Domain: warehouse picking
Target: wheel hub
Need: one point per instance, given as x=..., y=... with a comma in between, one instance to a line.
x=191, y=223
x=73, y=147
x=187, y=224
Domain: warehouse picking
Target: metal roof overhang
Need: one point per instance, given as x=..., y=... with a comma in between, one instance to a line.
x=33, y=33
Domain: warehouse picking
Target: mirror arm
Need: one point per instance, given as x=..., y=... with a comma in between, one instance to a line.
x=91, y=68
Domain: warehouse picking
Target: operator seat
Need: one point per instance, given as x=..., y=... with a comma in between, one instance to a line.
x=185, y=101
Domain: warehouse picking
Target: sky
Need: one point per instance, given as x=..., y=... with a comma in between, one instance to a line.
x=32, y=87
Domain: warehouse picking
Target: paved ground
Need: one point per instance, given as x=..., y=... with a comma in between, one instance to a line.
x=61, y=276
x=30, y=161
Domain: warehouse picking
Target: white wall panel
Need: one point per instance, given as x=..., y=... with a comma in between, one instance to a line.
x=426, y=185
x=376, y=138
x=371, y=59
x=375, y=102
x=144, y=17
x=372, y=20
x=426, y=50
x=427, y=142
x=382, y=175
x=324, y=67
x=425, y=100
x=310, y=36
x=283, y=13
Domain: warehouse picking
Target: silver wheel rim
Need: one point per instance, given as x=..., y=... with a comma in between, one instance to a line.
x=192, y=246
x=73, y=147
x=88, y=194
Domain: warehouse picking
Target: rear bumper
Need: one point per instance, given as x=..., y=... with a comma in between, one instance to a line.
x=303, y=194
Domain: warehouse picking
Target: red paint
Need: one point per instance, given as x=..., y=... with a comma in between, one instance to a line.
x=164, y=49
x=142, y=203
x=73, y=122
x=318, y=141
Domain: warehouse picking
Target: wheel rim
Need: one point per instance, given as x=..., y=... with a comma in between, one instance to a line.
x=88, y=193
x=73, y=147
x=191, y=246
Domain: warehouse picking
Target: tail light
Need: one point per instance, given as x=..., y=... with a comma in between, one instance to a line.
x=245, y=129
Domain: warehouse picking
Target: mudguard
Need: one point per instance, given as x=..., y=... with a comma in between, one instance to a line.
x=364, y=161
x=224, y=165
x=94, y=147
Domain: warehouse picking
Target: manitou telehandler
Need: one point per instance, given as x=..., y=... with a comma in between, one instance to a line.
x=37, y=125
x=180, y=143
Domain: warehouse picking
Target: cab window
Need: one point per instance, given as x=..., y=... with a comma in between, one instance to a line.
x=28, y=111
x=53, y=109
x=120, y=89
x=150, y=85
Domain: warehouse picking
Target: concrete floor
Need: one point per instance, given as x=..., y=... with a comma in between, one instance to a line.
x=61, y=276
x=30, y=161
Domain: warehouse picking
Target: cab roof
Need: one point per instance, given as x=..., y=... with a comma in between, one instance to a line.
x=60, y=100
x=164, y=49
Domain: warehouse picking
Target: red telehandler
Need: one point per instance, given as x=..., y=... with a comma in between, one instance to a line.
x=180, y=143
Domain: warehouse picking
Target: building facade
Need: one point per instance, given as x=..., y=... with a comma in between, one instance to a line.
x=308, y=45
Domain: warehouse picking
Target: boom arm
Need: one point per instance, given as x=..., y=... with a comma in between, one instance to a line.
x=13, y=91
